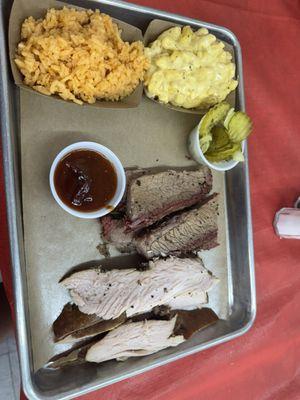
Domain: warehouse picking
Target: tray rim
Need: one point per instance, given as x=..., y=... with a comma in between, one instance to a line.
x=13, y=208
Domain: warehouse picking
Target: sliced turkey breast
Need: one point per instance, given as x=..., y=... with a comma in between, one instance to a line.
x=110, y=293
x=135, y=339
x=142, y=335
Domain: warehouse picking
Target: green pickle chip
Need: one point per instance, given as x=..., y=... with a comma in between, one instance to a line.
x=239, y=127
x=238, y=155
x=216, y=115
x=228, y=117
x=223, y=154
x=219, y=138
x=221, y=132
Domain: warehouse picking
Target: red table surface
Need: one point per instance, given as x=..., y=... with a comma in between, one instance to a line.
x=264, y=363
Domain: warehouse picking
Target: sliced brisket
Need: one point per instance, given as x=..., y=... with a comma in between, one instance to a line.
x=131, y=174
x=114, y=232
x=151, y=197
x=192, y=230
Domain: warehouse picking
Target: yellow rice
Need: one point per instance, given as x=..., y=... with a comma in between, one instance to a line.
x=80, y=56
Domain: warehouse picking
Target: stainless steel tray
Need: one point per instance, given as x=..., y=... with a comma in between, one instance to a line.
x=77, y=381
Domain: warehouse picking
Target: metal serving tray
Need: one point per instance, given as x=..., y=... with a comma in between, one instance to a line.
x=73, y=382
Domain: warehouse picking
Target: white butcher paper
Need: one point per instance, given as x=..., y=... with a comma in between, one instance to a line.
x=148, y=136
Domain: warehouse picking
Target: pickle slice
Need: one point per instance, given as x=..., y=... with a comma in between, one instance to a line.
x=219, y=138
x=216, y=115
x=239, y=127
x=221, y=132
x=238, y=156
x=205, y=143
x=223, y=154
x=228, y=117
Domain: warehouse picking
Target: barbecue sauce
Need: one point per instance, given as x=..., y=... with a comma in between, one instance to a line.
x=85, y=180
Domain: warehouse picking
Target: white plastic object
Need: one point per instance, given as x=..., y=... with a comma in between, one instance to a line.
x=107, y=153
x=287, y=223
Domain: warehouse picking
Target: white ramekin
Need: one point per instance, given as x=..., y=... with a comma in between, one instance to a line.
x=196, y=152
x=121, y=178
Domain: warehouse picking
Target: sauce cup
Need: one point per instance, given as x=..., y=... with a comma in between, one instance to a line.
x=110, y=156
x=197, y=154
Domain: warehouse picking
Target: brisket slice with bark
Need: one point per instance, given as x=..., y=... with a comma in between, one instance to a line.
x=192, y=230
x=151, y=197
x=131, y=174
x=114, y=232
